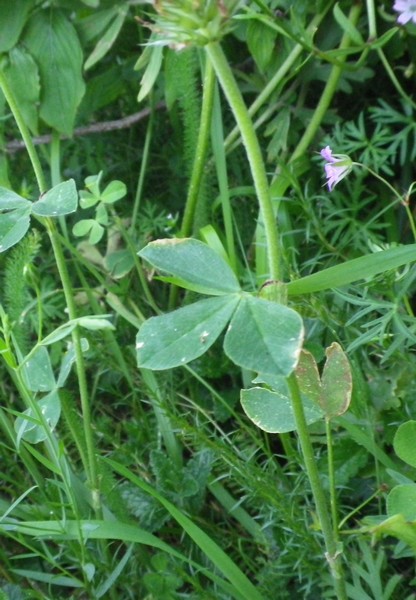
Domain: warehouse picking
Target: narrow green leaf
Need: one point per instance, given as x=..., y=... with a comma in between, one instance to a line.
x=94, y=323
x=336, y=382
x=272, y=411
x=178, y=337
x=404, y=442
x=264, y=336
x=95, y=24
x=151, y=72
x=384, y=38
x=49, y=578
x=115, y=530
x=61, y=200
x=59, y=333
x=53, y=42
x=346, y=25
x=364, y=267
x=107, y=39
x=193, y=262
x=214, y=553
x=101, y=530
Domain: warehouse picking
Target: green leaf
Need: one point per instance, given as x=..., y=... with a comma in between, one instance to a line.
x=151, y=72
x=53, y=42
x=336, y=382
x=87, y=199
x=404, y=442
x=107, y=39
x=68, y=360
x=384, y=38
x=272, y=411
x=242, y=586
x=37, y=371
x=29, y=428
x=9, y=200
x=402, y=501
x=96, y=23
x=397, y=527
x=13, y=226
x=119, y=263
x=347, y=26
x=91, y=227
x=22, y=75
x=261, y=41
x=94, y=323
x=178, y=337
x=49, y=578
x=364, y=436
x=13, y=19
x=83, y=227
x=264, y=336
x=193, y=262
x=61, y=200
x=365, y=267
x=59, y=333
x=113, y=192
x=117, y=530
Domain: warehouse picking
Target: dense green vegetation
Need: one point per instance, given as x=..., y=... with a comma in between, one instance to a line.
x=208, y=280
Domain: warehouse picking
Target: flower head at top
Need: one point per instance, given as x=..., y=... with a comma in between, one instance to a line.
x=407, y=10
x=337, y=166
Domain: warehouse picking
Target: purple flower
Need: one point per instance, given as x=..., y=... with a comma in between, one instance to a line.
x=337, y=167
x=407, y=10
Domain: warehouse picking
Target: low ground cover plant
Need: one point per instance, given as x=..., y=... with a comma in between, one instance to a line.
x=207, y=329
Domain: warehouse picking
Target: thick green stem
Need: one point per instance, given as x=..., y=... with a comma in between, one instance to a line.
x=328, y=93
x=251, y=144
x=333, y=554
x=200, y=151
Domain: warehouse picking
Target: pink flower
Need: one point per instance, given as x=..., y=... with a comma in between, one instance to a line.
x=337, y=167
x=407, y=10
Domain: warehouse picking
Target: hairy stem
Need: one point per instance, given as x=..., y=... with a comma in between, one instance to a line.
x=200, y=151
